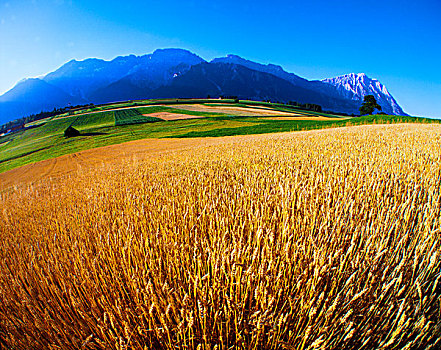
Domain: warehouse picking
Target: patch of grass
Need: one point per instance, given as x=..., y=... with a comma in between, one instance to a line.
x=39, y=122
x=132, y=116
x=273, y=107
x=268, y=125
x=54, y=144
x=177, y=110
x=46, y=140
x=95, y=120
x=31, y=140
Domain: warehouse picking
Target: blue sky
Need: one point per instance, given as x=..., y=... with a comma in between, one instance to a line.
x=397, y=42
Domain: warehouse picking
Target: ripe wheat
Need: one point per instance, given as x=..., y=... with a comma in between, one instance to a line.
x=314, y=240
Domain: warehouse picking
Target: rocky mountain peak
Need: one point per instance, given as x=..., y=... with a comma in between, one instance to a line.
x=355, y=86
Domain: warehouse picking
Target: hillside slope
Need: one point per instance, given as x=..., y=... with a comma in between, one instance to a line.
x=32, y=96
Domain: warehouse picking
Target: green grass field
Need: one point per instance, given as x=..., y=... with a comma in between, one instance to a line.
x=104, y=127
x=132, y=116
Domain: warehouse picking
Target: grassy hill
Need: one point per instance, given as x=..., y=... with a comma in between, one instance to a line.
x=126, y=121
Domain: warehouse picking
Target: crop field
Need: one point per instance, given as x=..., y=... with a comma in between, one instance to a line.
x=182, y=111
x=237, y=110
x=132, y=116
x=70, y=164
x=324, y=239
x=95, y=120
x=112, y=124
x=301, y=117
x=31, y=146
x=172, y=116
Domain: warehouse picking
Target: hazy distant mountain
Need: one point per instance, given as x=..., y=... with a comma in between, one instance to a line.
x=269, y=68
x=150, y=72
x=80, y=78
x=162, y=66
x=278, y=71
x=32, y=96
x=356, y=86
x=181, y=73
x=83, y=78
x=230, y=79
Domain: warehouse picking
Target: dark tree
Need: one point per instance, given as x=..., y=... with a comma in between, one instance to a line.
x=369, y=105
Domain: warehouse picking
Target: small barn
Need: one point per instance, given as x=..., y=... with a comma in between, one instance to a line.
x=71, y=132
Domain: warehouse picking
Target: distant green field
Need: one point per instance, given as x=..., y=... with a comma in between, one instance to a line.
x=94, y=120
x=105, y=127
x=132, y=116
x=177, y=110
x=259, y=126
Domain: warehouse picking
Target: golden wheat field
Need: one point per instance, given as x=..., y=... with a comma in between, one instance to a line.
x=327, y=239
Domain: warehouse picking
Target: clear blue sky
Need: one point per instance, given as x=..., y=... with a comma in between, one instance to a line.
x=395, y=41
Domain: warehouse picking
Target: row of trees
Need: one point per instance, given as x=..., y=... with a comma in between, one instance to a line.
x=368, y=107
x=308, y=106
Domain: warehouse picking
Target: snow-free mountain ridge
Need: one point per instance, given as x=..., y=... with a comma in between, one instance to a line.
x=178, y=73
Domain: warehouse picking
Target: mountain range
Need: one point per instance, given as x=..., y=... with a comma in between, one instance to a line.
x=178, y=73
